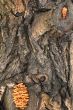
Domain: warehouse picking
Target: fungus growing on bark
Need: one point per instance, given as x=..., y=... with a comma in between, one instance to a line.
x=64, y=12
x=20, y=96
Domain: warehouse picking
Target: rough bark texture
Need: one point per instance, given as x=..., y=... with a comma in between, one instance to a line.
x=36, y=48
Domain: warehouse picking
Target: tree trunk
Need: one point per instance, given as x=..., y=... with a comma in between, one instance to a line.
x=36, y=48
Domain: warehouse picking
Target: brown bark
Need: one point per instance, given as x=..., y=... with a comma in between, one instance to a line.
x=36, y=48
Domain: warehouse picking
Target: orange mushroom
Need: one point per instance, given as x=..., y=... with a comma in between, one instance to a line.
x=64, y=12
x=20, y=96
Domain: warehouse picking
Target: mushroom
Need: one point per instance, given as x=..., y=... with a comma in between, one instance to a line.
x=20, y=96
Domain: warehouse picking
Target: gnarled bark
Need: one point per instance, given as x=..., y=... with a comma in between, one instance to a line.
x=36, y=49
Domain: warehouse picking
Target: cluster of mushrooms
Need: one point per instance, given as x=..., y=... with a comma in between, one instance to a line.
x=20, y=96
x=64, y=12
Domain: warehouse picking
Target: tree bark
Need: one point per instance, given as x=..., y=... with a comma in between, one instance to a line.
x=36, y=48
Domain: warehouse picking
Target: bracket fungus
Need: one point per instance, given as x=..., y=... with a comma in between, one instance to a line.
x=20, y=96
x=64, y=12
